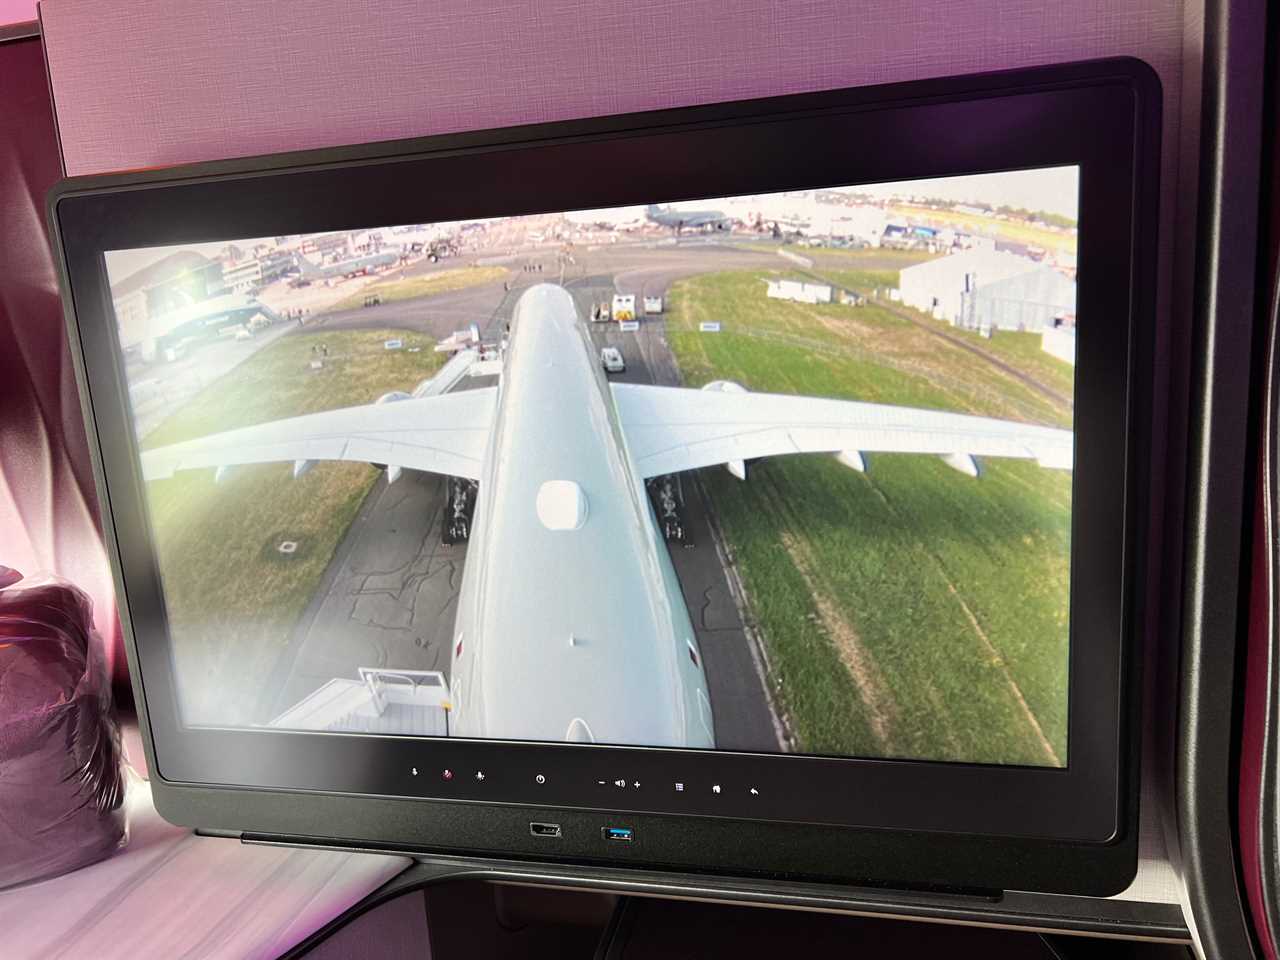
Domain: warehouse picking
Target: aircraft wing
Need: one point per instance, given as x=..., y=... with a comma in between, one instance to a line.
x=440, y=434
x=670, y=429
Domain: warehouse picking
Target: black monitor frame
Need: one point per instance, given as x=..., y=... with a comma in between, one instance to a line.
x=897, y=821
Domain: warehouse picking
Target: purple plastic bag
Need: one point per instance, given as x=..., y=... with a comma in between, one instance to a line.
x=61, y=783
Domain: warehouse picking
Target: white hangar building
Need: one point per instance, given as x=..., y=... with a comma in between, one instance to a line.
x=983, y=289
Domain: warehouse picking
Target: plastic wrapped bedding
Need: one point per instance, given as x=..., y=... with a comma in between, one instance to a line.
x=61, y=786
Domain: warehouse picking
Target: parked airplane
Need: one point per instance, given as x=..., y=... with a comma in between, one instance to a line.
x=679, y=219
x=571, y=624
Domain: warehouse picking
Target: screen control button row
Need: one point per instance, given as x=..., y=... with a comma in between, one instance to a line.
x=679, y=786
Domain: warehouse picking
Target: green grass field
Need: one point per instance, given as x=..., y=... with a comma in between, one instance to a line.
x=869, y=259
x=423, y=285
x=1019, y=349
x=231, y=611
x=911, y=611
x=873, y=259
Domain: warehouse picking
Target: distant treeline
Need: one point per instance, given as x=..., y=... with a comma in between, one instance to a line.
x=1052, y=219
x=1021, y=213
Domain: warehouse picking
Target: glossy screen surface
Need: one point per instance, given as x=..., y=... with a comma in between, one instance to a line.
x=771, y=473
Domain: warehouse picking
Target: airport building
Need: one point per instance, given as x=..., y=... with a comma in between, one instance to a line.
x=983, y=289
x=247, y=275
x=327, y=244
x=243, y=276
x=161, y=288
x=177, y=301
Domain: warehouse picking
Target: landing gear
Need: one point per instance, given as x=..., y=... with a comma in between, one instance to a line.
x=667, y=495
x=459, y=507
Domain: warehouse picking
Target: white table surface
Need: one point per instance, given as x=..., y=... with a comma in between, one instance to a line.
x=170, y=894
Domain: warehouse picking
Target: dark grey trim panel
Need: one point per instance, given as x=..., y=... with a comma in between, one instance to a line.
x=1087, y=916
x=1219, y=501
x=19, y=31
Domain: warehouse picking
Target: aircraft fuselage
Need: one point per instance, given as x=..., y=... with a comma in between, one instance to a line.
x=571, y=624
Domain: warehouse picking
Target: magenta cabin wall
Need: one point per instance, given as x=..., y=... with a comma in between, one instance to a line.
x=16, y=11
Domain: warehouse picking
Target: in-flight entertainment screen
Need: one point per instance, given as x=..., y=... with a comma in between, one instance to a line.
x=770, y=473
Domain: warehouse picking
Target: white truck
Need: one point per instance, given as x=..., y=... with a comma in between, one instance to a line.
x=624, y=308
x=652, y=306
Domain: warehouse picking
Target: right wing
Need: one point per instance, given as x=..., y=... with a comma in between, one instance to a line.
x=439, y=434
x=670, y=429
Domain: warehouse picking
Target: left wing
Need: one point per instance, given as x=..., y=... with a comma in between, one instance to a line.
x=438, y=434
x=670, y=429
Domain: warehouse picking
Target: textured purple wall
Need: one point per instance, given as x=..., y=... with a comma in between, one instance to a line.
x=156, y=82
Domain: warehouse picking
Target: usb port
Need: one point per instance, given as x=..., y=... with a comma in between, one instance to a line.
x=545, y=829
x=625, y=834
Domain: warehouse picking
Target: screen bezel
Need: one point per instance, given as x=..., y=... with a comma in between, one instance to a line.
x=1099, y=117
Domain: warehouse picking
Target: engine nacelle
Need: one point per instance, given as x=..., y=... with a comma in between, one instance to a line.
x=393, y=397
x=962, y=463
x=725, y=386
x=853, y=459
x=736, y=467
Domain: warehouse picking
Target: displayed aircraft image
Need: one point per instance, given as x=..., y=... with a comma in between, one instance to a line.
x=679, y=219
x=571, y=625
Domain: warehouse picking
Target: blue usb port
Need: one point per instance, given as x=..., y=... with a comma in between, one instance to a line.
x=624, y=834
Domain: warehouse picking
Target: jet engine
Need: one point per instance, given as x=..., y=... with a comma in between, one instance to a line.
x=737, y=467
x=393, y=397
